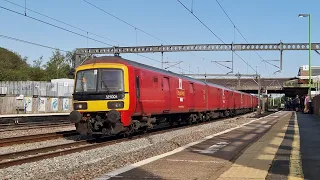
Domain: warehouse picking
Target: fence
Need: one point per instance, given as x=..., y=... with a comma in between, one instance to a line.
x=55, y=88
x=316, y=105
x=31, y=105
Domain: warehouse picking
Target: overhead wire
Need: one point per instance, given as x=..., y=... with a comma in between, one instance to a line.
x=53, y=25
x=262, y=60
x=201, y=21
x=123, y=20
x=50, y=24
x=129, y=24
x=214, y=33
x=133, y=26
x=242, y=34
x=70, y=25
x=32, y=43
x=191, y=11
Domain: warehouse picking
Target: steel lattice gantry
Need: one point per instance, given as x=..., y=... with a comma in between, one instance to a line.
x=85, y=52
x=200, y=47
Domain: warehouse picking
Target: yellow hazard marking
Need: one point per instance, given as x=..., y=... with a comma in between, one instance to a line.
x=295, y=170
x=256, y=160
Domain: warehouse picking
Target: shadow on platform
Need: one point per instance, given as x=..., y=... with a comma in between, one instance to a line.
x=309, y=128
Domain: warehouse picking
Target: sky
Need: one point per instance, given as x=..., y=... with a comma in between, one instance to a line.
x=267, y=21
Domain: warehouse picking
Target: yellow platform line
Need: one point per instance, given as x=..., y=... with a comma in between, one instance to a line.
x=255, y=162
x=295, y=168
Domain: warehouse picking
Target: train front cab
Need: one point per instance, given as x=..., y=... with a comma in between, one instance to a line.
x=101, y=98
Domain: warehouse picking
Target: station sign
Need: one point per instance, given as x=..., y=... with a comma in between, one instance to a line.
x=305, y=67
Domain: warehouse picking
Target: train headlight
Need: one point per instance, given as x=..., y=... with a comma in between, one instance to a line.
x=115, y=104
x=80, y=106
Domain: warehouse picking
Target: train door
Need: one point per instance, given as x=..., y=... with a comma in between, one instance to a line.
x=241, y=101
x=166, y=94
x=233, y=100
x=138, y=91
x=219, y=99
x=191, y=96
x=223, y=99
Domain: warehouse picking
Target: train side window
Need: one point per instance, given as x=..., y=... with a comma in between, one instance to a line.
x=138, y=86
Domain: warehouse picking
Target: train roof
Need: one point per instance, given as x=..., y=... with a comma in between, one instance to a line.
x=119, y=59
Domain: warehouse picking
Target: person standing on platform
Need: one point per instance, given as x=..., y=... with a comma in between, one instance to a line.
x=290, y=104
x=306, y=104
x=297, y=103
x=302, y=104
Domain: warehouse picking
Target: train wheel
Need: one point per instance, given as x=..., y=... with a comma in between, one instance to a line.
x=208, y=117
x=192, y=119
x=130, y=130
x=227, y=113
x=96, y=136
x=170, y=123
x=201, y=117
x=144, y=129
x=233, y=113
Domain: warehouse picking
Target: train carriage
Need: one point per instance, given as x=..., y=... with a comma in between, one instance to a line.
x=114, y=95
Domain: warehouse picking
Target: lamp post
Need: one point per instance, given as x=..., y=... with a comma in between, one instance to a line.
x=309, y=17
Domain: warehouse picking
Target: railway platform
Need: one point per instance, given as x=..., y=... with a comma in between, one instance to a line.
x=26, y=118
x=33, y=115
x=283, y=145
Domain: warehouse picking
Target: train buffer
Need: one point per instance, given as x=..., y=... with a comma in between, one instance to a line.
x=283, y=145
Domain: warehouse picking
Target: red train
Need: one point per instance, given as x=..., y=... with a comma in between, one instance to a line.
x=114, y=95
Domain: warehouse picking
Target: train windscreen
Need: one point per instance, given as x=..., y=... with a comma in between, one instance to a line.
x=111, y=80
x=99, y=80
x=86, y=81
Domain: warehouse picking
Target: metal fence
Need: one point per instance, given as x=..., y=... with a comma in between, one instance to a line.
x=37, y=88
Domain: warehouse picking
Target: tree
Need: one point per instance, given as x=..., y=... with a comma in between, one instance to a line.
x=58, y=66
x=36, y=72
x=12, y=66
x=71, y=58
x=38, y=62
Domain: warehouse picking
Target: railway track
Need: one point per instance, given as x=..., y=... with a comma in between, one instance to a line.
x=25, y=126
x=12, y=159
x=35, y=138
x=32, y=155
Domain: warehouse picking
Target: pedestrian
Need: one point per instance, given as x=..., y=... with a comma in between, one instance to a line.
x=297, y=103
x=306, y=104
x=302, y=104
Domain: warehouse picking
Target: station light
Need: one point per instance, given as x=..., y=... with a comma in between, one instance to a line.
x=303, y=15
x=309, y=17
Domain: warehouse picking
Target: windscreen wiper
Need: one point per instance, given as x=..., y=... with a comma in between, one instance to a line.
x=105, y=85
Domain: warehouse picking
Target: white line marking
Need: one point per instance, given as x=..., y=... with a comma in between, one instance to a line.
x=32, y=115
x=212, y=149
x=154, y=158
x=194, y=161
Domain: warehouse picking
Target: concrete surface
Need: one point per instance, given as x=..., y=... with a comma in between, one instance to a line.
x=213, y=157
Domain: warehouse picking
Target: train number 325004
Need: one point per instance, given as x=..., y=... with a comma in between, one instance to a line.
x=112, y=96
